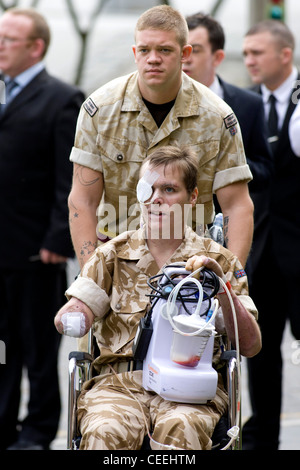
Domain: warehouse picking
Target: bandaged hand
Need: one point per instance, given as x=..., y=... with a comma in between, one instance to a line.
x=74, y=319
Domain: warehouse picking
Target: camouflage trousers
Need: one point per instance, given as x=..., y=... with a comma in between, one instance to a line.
x=112, y=418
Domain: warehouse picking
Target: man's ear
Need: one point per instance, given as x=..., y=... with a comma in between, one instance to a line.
x=37, y=48
x=286, y=55
x=219, y=56
x=194, y=197
x=186, y=52
x=134, y=51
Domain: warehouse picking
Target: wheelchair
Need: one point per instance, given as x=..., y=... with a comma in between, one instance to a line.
x=227, y=434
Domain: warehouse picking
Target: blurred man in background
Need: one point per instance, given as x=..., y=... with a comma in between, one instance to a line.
x=268, y=49
x=207, y=37
x=37, y=126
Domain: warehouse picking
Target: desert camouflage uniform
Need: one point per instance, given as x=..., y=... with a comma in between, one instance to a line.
x=115, y=133
x=113, y=283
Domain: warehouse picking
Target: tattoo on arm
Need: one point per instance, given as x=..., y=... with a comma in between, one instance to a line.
x=87, y=248
x=225, y=229
x=73, y=213
x=79, y=174
x=86, y=178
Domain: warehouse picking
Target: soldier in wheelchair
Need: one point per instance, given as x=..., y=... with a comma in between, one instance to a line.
x=129, y=395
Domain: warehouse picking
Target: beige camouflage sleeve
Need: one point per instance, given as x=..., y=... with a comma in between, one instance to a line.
x=93, y=285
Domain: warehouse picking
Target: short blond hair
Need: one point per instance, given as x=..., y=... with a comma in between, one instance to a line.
x=279, y=30
x=164, y=18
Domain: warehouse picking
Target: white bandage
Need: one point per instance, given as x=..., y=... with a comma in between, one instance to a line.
x=73, y=324
x=144, y=187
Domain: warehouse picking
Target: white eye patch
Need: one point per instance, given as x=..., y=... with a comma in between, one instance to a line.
x=144, y=188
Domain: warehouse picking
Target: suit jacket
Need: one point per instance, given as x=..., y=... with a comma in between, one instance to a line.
x=281, y=215
x=37, y=132
x=249, y=110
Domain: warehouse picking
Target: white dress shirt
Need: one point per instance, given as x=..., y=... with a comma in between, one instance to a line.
x=216, y=88
x=283, y=96
x=294, y=126
x=24, y=78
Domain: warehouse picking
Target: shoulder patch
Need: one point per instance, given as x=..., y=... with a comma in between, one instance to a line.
x=230, y=121
x=90, y=107
x=239, y=273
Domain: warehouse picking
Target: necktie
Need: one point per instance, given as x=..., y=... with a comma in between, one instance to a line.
x=273, y=122
x=10, y=86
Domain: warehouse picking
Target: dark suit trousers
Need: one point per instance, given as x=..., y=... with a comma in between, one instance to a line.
x=29, y=302
x=275, y=294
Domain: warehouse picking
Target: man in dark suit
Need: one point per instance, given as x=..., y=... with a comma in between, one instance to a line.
x=37, y=127
x=207, y=38
x=268, y=52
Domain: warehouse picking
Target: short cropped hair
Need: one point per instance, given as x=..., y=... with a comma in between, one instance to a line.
x=164, y=18
x=40, y=29
x=215, y=31
x=182, y=158
x=279, y=30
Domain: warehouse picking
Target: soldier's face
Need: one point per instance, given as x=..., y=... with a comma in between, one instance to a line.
x=159, y=59
x=167, y=208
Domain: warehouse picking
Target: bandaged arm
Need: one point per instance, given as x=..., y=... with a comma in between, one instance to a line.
x=85, y=298
x=75, y=318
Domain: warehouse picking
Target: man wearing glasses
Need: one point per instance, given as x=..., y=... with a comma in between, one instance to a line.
x=37, y=125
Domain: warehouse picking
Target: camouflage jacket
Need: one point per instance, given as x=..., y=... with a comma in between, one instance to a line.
x=115, y=133
x=113, y=283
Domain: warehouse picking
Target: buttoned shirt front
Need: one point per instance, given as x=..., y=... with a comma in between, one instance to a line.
x=116, y=132
x=282, y=95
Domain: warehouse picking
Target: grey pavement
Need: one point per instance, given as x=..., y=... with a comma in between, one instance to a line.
x=109, y=56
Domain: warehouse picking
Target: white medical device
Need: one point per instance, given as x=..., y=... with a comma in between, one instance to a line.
x=178, y=359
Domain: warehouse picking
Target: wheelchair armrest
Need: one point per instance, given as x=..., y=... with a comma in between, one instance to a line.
x=80, y=356
x=227, y=355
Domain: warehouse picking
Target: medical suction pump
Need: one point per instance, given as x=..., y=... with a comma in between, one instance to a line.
x=177, y=335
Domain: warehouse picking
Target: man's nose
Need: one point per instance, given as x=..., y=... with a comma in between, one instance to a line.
x=248, y=59
x=154, y=56
x=157, y=197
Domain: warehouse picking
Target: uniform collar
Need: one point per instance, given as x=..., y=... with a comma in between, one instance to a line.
x=136, y=246
x=186, y=103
